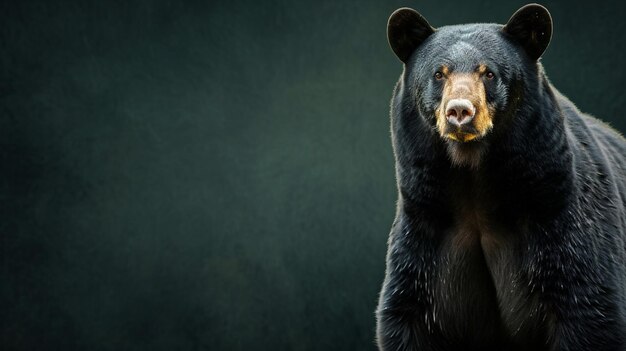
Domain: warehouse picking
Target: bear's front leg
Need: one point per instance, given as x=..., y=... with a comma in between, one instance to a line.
x=584, y=317
x=586, y=334
x=578, y=288
x=405, y=316
x=400, y=330
x=403, y=324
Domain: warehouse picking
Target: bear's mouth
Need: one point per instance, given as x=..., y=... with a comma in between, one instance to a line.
x=464, y=133
x=461, y=136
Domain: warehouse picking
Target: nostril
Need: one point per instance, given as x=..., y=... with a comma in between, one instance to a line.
x=460, y=111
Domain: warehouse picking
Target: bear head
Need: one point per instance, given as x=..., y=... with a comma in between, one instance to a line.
x=467, y=80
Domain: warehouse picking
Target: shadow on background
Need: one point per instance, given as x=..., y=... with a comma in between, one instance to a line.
x=219, y=176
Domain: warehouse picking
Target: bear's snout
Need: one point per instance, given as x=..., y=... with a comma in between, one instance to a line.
x=460, y=112
x=464, y=114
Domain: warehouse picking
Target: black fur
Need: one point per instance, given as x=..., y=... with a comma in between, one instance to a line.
x=543, y=264
x=406, y=30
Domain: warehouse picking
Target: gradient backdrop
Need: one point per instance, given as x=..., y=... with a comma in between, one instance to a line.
x=219, y=175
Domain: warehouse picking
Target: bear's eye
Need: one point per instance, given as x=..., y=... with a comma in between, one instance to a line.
x=438, y=75
x=490, y=75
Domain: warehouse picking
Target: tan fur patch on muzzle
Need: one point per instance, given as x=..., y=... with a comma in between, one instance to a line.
x=468, y=86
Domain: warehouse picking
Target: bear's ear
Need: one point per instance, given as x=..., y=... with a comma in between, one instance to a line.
x=406, y=30
x=531, y=26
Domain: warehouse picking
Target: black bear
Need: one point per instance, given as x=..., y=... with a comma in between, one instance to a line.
x=510, y=230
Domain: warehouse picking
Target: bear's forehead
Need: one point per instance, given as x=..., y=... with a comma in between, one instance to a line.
x=468, y=30
x=466, y=45
x=473, y=34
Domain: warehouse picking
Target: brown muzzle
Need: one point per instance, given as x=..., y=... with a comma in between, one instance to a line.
x=463, y=113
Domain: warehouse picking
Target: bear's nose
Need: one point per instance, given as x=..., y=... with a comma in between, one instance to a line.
x=459, y=112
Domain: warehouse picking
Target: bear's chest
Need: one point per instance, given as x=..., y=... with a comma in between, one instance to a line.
x=482, y=291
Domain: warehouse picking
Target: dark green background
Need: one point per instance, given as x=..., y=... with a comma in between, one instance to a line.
x=219, y=175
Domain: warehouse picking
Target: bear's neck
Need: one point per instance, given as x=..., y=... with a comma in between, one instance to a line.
x=530, y=165
x=527, y=170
